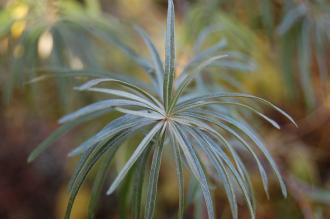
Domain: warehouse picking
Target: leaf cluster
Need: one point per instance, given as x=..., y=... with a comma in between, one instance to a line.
x=169, y=112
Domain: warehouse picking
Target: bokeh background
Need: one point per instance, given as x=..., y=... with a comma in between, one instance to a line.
x=283, y=51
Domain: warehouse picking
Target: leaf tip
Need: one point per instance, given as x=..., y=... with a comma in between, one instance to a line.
x=73, y=153
x=110, y=191
x=80, y=88
x=62, y=120
x=267, y=195
x=295, y=124
x=30, y=158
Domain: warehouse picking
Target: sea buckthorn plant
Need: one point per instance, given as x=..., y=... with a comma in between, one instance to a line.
x=197, y=127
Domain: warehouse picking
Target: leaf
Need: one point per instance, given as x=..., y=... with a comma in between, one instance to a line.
x=250, y=133
x=114, y=127
x=204, y=126
x=321, y=46
x=124, y=196
x=271, y=121
x=138, y=180
x=59, y=133
x=267, y=15
x=189, y=78
x=127, y=95
x=179, y=173
x=158, y=65
x=195, y=167
x=169, y=55
x=231, y=81
x=96, y=107
x=242, y=184
x=203, y=100
x=235, y=65
x=288, y=49
x=136, y=154
x=304, y=62
x=94, y=82
x=244, y=143
x=118, y=137
x=99, y=181
x=202, y=36
x=141, y=113
x=153, y=179
x=202, y=55
x=291, y=18
x=109, y=36
x=85, y=165
x=59, y=59
x=86, y=72
x=221, y=170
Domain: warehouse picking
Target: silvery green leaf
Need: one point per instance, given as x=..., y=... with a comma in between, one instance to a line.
x=110, y=37
x=158, y=65
x=122, y=123
x=291, y=18
x=321, y=46
x=241, y=140
x=202, y=56
x=169, y=55
x=141, y=113
x=59, y=133
x=86, y=164
x=139, y=150
x=304, y=63
x=98, y=106
x=230, y=80
x=86, y=72
x=256, y=140
x=99, y=181
x=179, y=172
x=153, y=178
x=202, y=36
x=138, y=180
x=204, y=98
x=187, y=79
x=195, y=166
x=234, y=65
x=220, y=154
x=205, y=126
x=221, y=170
x=271, y=121
x=127, y=95
x=94, y=82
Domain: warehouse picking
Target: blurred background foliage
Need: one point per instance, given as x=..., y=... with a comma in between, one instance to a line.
x=280, y=50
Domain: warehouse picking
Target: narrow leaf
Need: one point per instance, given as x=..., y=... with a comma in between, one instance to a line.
x=169, y=55
x=99, y=181
x=196, y=168
x=59, y=133
x=136, y=154
x=179, y=173
x=153, y=179
x=138, y=180
x=155, y=57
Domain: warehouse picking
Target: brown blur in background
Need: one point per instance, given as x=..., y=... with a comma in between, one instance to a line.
x=286, y=50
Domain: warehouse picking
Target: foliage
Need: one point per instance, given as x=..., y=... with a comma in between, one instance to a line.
x=297, y=29
x=221, y=34
x=305, y=32
x=62, y=40
x=169, y=112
